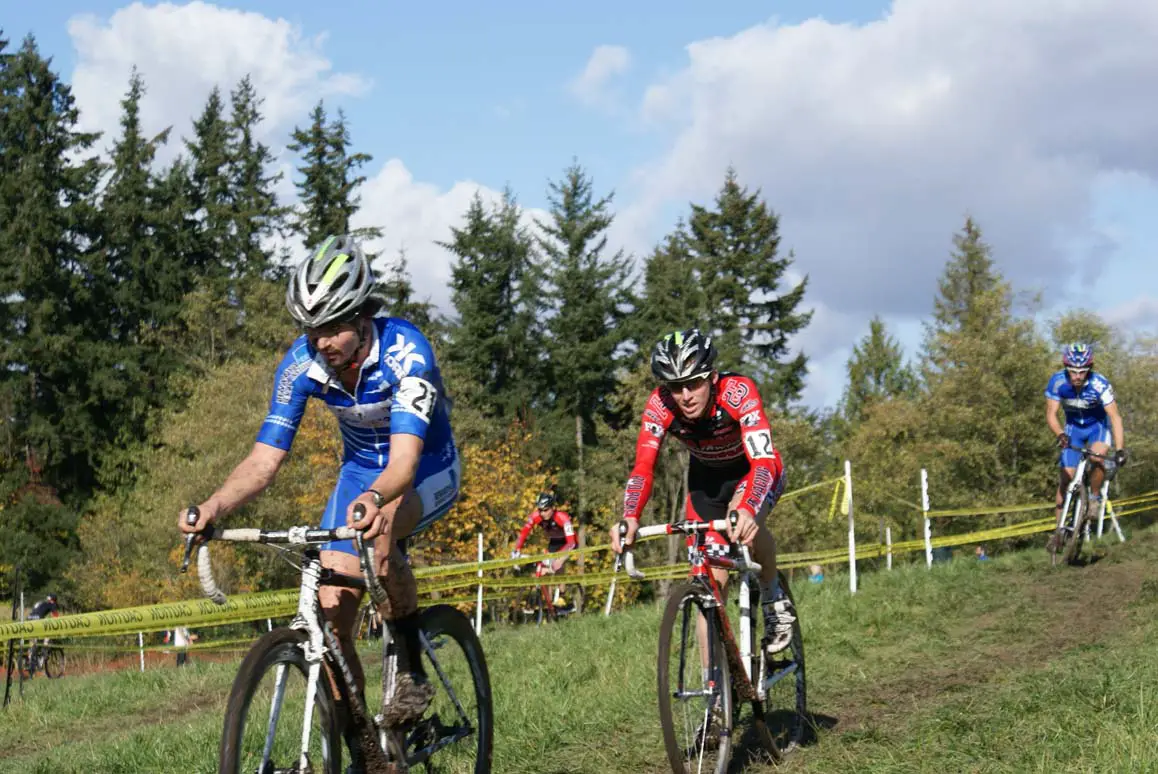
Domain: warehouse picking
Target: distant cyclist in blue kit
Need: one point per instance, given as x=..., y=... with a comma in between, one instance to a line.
x=1092, y=420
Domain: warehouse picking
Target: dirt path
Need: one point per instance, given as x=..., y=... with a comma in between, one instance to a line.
x=1050, y=611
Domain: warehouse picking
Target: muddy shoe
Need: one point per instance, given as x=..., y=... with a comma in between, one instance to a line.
x=1053, y=544
x=412, y=695
x=779, y=616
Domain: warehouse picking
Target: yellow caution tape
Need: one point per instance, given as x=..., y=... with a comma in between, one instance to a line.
x=154, y=618
x=278, y=604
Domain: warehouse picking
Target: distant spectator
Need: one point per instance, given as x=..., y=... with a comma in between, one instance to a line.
x=44, y=608
x=816, y=573
x=181, y=639
x=981, y=555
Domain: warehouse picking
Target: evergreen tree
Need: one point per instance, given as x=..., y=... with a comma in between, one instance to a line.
x=876, y=371
x=591, y=296
x=398, y=293
x=673, y=298
x=591, y=293
x=59, y=376
x=211, y=195
x=256, y=215
x=329, y=179
x=985, y=372
x=965, y=301
x=736, y=246
x=496, y=339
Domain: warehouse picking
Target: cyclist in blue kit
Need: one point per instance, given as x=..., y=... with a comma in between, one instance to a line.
x=1092, y=420
x=378, y=376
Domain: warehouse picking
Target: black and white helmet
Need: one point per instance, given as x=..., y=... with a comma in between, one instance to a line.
x=683, y=355
x=332, y=284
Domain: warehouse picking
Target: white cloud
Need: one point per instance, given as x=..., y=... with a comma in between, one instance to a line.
x=875, y=141
x=606, y=62
x=1138, y=314
x=183, y=51
x=413, y=216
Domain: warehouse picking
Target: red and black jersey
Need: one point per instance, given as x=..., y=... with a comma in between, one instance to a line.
x=560, y=532
x=731, y=445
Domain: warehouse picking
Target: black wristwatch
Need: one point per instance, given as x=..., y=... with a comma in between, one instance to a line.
x=379, y=500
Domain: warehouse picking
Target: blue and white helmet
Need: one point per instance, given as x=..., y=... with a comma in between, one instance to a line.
x=1078, y=355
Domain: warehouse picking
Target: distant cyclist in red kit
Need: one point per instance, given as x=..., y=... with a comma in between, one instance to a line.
x=560, y=537
x=734, y=466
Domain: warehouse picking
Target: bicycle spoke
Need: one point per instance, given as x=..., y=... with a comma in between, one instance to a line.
x=695, y=686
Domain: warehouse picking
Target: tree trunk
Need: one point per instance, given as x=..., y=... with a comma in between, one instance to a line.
x=580, y=594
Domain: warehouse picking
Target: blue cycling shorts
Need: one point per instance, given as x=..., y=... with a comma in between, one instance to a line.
x=1082, y=437
x=437, y=482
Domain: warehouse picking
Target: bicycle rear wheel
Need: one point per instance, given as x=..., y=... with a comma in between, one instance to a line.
x=264, y=716
x=782, y=716
x=456, y=735
x=694, y=685
x=54, y=662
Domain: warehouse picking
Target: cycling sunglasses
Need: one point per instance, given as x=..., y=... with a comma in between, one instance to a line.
x=693, y=383
x=1077, y=371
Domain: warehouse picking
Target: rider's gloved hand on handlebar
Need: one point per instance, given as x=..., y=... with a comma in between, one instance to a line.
x=1063, y=440
x=1120, y=457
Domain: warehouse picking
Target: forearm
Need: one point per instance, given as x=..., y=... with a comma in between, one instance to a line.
x=246, y=481
x=1054, y=425
x=1118, y=431
x=398, y=476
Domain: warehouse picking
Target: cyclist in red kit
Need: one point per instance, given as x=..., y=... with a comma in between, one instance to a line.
x=734, y=465
x=560, y=537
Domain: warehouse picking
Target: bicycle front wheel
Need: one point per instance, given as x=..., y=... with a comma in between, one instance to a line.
x=456, y=735
x=265, y=715
x=782, y=715
x=694, y=685
x=54, y=662
x=1081, y=507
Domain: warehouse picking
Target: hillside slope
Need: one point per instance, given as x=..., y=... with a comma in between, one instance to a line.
x=1006, y=665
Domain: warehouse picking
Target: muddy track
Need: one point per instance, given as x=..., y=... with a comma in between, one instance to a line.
x=1059, y=609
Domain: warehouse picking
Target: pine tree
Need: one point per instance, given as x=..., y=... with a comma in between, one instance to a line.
x=496, y=339
x=736, y=246
x=59, y=376
x=984, y=371
x=591, y=293
x=876, y=371
x=398, y=293
x=255, y=211
x=673, y=298
x=966, y=292
x=211, y=195
x=329, y=179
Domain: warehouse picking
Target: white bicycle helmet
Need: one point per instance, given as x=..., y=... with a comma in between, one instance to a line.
x=332, y=284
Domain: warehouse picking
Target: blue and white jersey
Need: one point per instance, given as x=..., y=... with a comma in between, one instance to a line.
x=1084, y=407
x=399, y=390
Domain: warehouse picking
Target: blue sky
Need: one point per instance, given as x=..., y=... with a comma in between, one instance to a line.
x=872, y=128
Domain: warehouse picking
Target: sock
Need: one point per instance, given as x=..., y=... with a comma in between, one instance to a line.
x=770, y=590
x=405, y=632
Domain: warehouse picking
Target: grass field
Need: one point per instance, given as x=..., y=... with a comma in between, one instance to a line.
x=1006, y=665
